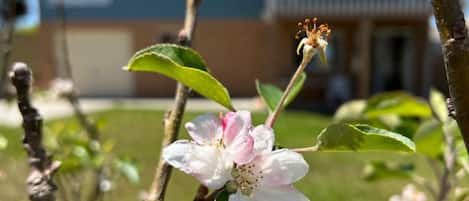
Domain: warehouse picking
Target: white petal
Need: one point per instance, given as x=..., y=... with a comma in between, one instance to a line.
x=239, y=197
x=207, y=163
x=263, y=139
x=282, y=167
x=205, y=129
x=302, y=42
x=283, y=193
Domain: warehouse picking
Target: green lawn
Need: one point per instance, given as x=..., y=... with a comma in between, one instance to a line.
x=332, y=176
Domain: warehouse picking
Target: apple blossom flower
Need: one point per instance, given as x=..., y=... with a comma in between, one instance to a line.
x=270, y=175
x=409, y=193
x=217, y=143
x=315, y=40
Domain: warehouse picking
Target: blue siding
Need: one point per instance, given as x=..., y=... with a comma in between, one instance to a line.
x=163, y=9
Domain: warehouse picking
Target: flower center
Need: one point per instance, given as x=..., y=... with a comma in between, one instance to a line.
x=315, y=34
x=247, y=178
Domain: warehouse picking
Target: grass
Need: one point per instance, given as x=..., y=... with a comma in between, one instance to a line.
x=332, y=176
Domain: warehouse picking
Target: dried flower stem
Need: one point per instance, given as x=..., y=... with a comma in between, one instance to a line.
x=455, y=44
x=172, y=121
x=40, y=180
x=270, y=121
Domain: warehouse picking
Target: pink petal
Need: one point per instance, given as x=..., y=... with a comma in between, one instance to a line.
x=235, y=124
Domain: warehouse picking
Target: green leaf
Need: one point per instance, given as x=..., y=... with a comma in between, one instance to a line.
x=271, y=94
x=398, y=103
x=184, y=65
x=378, y=170
x=129, y=169
x=429, y=138
x=350, y=111
x=438, y=103
x=362, y=137
x=223, y=196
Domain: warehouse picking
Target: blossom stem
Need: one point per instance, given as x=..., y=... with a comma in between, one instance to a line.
x=314, y=148
x=173, y=120
x=270, y=121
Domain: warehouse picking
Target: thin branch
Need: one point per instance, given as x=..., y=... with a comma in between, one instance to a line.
x=455, y=44
x=40, y=180
x=72, y=98
x=450, y=161
x=173, y=120
x=9, y=16
x=63, y=39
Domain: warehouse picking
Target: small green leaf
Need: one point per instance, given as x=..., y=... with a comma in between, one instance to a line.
x=184, y=65
x=350, y=111
x=223, y=196
x=128, y=168
x=362, y=137
x=429, y=138
x=271, y=94
x=378, y=170
x=398, y=103
x=438, y=103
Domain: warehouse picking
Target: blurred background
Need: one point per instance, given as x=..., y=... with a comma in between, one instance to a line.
x=375, y=46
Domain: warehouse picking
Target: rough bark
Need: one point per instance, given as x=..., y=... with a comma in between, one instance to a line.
x=40, y=185
x=455, y=44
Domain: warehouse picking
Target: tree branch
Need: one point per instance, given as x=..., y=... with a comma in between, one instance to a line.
x=9, y=16
x=455, y=44
x=72, y=97
x=40, y=186
x=172, y=121
x=450, y=160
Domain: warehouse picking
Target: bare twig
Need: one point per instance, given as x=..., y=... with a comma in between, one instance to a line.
x=173, y=120
x=72, y=98
x=450, y=161
x=455, y=44
x=9, y=16
x=40, y=184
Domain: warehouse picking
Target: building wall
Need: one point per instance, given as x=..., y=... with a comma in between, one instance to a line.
x=235, y=51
